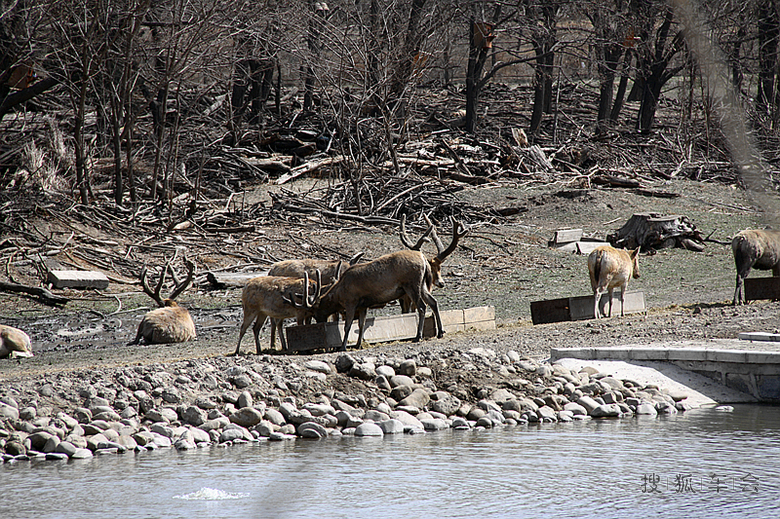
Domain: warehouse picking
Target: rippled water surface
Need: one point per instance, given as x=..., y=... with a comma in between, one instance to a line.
x=701, y=464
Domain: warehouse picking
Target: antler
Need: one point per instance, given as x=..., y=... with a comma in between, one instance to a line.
x=156, y=294
x=307, y=300
x=458, y=232
x=423, y=239
x=179, y=286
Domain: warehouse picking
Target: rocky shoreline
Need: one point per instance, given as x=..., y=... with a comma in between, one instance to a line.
x=222, y=400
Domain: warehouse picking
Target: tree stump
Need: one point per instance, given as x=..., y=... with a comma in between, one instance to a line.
x=657, y=231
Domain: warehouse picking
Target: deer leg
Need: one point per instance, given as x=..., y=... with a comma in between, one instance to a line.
x=282, y=335
x=610, y=300
x=622, y=299
x=256, y=329
x=248, y=318
x=362, y=312
x=274, y=323
x=428, y=298
x=348, y=318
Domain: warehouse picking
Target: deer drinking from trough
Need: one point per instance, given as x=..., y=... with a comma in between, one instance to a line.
x=170, y=322
x=14, y=343
x=610, y=268
x=758, y=249
x=268, y=297
x=375, y=283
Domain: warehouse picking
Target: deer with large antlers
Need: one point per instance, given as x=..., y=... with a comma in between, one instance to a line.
x=375, y=283
x=269, y=296
x=170, y=322
x=458, y=232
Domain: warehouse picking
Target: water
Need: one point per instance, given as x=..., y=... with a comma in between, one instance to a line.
x=594, y=469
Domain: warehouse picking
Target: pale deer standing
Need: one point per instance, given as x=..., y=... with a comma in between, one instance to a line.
x=171, y=322
x=268, y=296
x=759, y=249
x=14, y=343
x=610, y=268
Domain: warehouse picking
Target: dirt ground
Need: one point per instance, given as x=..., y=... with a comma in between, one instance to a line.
x=507, y=265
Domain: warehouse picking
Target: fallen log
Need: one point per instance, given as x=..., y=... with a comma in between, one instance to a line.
x=46, y=296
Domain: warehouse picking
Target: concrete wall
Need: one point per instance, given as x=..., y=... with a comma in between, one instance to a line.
x=754, y=372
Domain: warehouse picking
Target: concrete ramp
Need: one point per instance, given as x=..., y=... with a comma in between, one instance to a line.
x=701, y=390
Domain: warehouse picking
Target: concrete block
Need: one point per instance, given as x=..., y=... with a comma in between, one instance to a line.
x=77, y=279
x=759, y=336
x=566, y=236
x=581, y=307
x=387, y=328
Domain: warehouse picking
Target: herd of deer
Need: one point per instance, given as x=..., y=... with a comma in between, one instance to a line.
x=320, y=290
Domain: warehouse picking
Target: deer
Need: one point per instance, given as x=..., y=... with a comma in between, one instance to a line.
x=296, y=268
x=375, y=283
x=170, y=322
x=754, y=248
x=269, y=296
x=442, y=252
x=14, y=343
x=610, y=268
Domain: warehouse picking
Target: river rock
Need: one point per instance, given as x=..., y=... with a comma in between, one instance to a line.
x=434, y=424
x=408, y=367
x=363, y=371
x=401, y=380
x=605, y=410
x=398, y=393
x=311, y=430
x=194, y=415
x=646, y=408
x=418, y=398
x=385, y=371
x=368, y=429
x=81, y=454
x=548, y=413
x=319, y=366
x=246, y=417
x=66, y=447
x=392, y=426
x=445, y=403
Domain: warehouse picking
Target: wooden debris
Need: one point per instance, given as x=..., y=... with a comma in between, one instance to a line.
x=657, y=231
x=45, y=295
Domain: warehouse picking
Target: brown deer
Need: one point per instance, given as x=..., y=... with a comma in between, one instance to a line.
x=375, y=283
x=14, y=343
x=758, y=249
x=170, y=322
x=610, y=268
x=457, y=233
x=268, y=296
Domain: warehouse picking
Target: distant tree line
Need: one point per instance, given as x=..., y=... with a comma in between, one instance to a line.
x=215, y=69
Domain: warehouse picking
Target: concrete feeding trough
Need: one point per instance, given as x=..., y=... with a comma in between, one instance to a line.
x=570, y=240
x=581, y=307
x=762, y=288
x=388, y=328
x=77, y=279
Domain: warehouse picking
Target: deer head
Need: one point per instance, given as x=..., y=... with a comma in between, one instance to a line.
x=458, y=232
x=307, y=300
x=179, y=284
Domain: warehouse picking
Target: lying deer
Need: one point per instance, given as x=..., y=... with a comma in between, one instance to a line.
x=171, y=322
x=758, y=249
x=457, y=233
x=14, y=343
x=268, y=296
x=610, y=268
x=375, y=283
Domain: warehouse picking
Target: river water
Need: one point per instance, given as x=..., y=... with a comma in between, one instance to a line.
x=701, y=464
